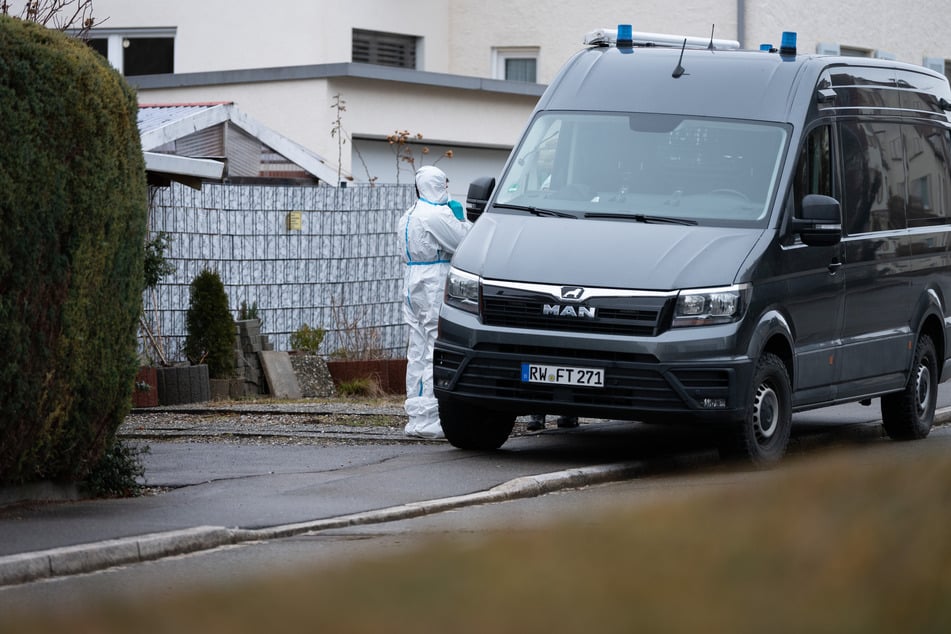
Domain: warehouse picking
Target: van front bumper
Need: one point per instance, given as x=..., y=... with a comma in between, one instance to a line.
x=636, y=387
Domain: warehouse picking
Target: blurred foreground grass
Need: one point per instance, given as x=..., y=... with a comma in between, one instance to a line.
x=856, y=541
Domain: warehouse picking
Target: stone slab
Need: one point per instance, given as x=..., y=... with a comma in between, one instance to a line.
x=279, y=373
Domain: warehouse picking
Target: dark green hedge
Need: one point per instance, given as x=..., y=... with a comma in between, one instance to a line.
x=73, y=206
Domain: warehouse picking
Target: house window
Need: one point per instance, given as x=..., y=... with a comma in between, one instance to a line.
x=516, y=64
x=833, y=48
x=384, y=49
x=136, y=51
x=939, y=65
x=854, y=51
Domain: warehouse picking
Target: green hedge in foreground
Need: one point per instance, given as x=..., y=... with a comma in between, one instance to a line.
x=73, y=205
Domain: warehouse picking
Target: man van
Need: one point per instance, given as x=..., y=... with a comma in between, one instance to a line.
x=687, y=231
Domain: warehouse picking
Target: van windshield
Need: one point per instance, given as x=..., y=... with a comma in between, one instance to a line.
x=610, y=166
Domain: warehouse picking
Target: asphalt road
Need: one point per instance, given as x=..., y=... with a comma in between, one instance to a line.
x=228, y=493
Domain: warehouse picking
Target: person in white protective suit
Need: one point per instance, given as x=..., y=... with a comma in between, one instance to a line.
x=429, y=233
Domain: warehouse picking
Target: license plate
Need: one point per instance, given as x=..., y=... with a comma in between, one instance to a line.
x=562, y=375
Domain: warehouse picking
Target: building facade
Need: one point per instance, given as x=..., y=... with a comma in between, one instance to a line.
x=463, y=74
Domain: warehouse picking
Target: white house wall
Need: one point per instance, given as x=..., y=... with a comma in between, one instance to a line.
x=910, y=31
x=459, y=35
x=557, y=27
x=459, y=39
x=235, y=34
x=467, y=164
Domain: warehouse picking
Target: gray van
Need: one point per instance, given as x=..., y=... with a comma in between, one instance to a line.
x=688, y=232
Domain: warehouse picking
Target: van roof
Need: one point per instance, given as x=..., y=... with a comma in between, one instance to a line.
x=718, y=83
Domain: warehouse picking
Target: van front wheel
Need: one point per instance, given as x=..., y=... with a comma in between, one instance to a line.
x=761, y=438
x=909, y=414
x=472, y=427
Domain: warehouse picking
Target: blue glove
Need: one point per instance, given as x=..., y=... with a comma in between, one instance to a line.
x=457, y=210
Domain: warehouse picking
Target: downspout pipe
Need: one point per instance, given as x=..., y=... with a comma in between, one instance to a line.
x=741, y=22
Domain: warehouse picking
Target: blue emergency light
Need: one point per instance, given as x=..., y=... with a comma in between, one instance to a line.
x=788, y=45
x=625, y=35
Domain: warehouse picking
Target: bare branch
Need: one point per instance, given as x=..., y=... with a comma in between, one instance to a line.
x=60, y=15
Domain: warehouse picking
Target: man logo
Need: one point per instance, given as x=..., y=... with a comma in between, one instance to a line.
x=557, y=310
x=572, y=292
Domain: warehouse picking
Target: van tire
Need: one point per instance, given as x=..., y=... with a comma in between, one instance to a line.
x=762, y=437
x=468, y=426
x=909, y=414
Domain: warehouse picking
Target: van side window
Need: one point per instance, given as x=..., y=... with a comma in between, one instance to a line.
x=814, y=168
x=873, y=176
x=929, y=174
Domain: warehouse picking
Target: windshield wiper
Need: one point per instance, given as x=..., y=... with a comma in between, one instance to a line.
x=644, y=218
x=538, y=211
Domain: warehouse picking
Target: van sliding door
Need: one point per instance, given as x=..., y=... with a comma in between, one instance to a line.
x=879, y=266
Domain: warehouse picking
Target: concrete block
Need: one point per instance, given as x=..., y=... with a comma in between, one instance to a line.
x=280, y=376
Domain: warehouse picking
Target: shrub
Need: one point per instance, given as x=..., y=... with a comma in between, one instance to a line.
x=211, y=328
x=248, y=312
x=156, y=265
x=307, y=339
x=118, y=471
x=73, y=204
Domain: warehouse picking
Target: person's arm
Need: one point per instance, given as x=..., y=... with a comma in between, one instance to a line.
x=448, y=231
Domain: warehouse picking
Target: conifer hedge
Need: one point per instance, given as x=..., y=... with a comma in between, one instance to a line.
x=73, y=207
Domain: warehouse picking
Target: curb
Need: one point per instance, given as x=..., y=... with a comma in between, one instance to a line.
x=72, y=560
x=85, y=558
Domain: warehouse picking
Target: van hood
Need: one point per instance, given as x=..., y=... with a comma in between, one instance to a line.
x=605, y=253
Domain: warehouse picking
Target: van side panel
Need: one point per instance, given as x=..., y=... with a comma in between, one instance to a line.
x=896, y=202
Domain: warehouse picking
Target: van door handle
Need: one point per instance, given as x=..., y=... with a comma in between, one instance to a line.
x=834, y=267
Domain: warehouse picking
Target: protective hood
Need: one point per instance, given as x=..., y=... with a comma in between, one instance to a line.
x=432, y=184
x=604, y=253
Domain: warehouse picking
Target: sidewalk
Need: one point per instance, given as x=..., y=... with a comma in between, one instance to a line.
x=241, y=472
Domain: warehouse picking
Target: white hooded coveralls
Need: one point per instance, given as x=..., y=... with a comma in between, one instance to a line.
x=429, y=234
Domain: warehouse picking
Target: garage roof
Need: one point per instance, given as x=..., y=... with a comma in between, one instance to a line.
x=191, y=142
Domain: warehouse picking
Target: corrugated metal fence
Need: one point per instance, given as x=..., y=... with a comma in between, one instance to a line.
x=340, y=271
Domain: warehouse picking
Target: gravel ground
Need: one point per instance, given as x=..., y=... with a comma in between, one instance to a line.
x=264, y=421
x=270, y=421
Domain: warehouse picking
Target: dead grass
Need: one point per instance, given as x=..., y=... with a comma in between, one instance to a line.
x=849, y=542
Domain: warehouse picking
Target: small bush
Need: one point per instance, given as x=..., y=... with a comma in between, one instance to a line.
x=307, y=339
x=156, y=264
x=117, y=472
x=211, y=328
x=248, y=312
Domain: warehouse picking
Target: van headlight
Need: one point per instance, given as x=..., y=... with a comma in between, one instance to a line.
x=709, y=306
x=462, y=290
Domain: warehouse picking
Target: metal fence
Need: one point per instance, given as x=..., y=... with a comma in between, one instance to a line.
x=322, y=256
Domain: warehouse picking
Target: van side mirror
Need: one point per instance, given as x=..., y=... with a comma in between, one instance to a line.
x=821, y=222
x=480, y=190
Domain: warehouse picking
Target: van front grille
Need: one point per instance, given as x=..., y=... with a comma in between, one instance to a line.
x=626, y=316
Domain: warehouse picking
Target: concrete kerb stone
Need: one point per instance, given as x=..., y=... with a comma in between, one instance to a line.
x=84, y=558
x=523, y=487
